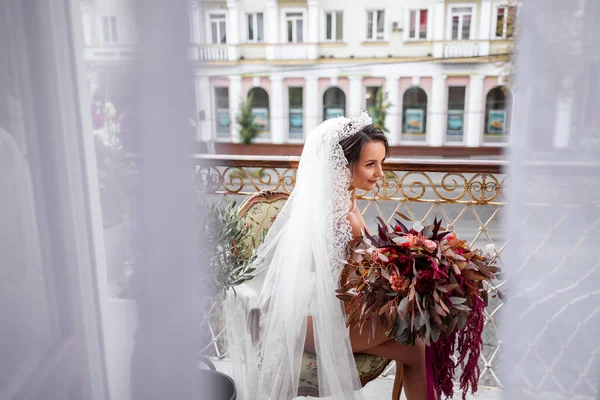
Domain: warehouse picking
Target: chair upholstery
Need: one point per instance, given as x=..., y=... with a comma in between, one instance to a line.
x=369, y=368
x=259, y=211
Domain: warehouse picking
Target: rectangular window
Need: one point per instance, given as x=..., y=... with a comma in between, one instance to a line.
x=461, y=18
x=456, y=112
x=109, y=30
x=223, y=120
x=505, y=22
x=418, y=24
x=255, y=27
x=296, y=116
x=218, y=28
x=294, y=23
x=334, y=26
x=375, y=25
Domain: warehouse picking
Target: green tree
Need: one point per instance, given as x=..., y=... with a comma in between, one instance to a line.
x=380, y=109
x=245, y=120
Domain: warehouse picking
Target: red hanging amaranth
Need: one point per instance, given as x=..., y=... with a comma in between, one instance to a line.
x=470, y=343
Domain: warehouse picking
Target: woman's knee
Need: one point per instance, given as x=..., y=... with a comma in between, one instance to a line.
x=410, y=355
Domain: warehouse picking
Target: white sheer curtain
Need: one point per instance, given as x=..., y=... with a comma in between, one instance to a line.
x=551, y=320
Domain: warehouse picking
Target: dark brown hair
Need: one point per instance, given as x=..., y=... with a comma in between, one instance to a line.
x=352, y=146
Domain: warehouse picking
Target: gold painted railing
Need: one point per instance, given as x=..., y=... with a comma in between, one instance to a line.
x=467, y=195
x=463, y=181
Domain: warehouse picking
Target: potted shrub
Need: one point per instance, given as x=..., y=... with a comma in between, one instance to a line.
x=227, y=252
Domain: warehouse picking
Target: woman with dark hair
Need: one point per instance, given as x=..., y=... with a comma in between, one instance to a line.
x=365, y=152
x=299, y=271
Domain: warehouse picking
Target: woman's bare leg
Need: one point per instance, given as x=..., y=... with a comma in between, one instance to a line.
x=412, y=357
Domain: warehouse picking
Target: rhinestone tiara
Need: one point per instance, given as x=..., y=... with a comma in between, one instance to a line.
x=350, y=126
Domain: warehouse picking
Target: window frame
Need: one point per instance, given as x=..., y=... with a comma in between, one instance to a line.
x=219, y=132
x=497, y=8
x=333, y=26
x=209, y=15
x=428, y=30
x=292, y=133
x=374, y=31
x=325, y=106
x=255, y=27
x=113, y=30
x=284, y=21
x=451, y=13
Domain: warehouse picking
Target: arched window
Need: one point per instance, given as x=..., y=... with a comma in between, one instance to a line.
x=497, y=118
x=414, y=113
x=260, y=107
x=334, y=103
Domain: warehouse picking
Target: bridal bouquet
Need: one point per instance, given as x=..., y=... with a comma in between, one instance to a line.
x=425, y=283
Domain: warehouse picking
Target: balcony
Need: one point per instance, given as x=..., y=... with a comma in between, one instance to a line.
x=461, y=49
x=212, y=52
x=469, y=197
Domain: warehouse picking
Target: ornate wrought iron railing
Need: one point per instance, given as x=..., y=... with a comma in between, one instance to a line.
x=467, y=195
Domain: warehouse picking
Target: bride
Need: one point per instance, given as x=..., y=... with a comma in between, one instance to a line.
x=290, y=306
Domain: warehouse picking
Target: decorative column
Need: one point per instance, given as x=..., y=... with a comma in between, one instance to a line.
x=271, y=31
x=195, y=28
x=439, y=13
x=193, y=50
x=204, y=112
x=233, y=35
x=312, y=104
x=313, y=28
x=437, y=121
x=485, y=27
x=278, y=123
x=202, y=28
x=86, y=21
x=562, y=125
x=357, y=97
x=475, y=112
x=393, y=118
x=235, y=96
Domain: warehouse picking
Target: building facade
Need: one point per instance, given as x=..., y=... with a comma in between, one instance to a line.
x=439, y=62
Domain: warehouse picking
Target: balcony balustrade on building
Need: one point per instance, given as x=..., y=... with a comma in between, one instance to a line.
x=209, y=52
x=461, y=49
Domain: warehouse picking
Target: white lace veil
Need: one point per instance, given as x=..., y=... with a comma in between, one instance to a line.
x=297, y=275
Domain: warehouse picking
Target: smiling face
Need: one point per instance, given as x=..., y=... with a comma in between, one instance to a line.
x=369, y=168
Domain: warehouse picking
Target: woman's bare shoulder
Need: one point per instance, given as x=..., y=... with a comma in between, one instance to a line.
x=356, y=222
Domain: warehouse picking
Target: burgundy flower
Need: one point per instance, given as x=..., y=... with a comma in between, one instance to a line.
x=423, y=263
x=404, y=263
x=425, y=282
